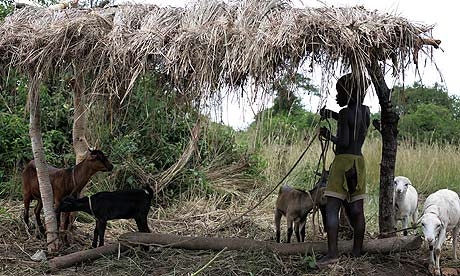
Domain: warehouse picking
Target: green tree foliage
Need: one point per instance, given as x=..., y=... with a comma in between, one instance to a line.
x=287, y=120
x=286, y=88
x=427, y=113
x=6, y=8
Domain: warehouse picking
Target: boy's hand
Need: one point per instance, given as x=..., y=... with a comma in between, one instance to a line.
x=325, y=133
x=323, y=112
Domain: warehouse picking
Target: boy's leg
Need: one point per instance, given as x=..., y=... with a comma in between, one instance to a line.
x=332, y=209
x=359, y=224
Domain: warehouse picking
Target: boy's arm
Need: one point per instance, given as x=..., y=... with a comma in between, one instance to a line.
x=342, y=137
x=327, y=113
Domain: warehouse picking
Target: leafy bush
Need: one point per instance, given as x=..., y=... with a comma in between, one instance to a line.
x=14, y=139
x=15, y=145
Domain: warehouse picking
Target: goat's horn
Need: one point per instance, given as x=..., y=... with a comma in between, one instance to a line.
x=87, y=144
x=96, y=144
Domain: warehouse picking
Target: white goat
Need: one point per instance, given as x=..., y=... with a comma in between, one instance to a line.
x=405, y=199
x=441, y=213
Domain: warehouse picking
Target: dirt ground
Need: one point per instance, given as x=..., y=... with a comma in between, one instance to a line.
x=196, y=217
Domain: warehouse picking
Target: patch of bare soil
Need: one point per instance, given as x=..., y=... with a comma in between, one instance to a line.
x=195, y=217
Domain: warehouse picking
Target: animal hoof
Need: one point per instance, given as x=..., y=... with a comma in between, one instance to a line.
x=434, y=271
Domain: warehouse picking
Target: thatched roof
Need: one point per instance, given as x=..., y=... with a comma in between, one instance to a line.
x=204, y=46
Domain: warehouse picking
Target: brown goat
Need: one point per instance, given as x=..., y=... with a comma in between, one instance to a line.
x=64, y=181
x=296, y=205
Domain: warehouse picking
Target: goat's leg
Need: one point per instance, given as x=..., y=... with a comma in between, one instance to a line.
x=432, y=258
x=455, y=233
x=297, y=230
x=322, y=208
x=101, y=231
x=315, y=210
x=143, y=226
x=58, y=220
x=437, y=250
x=277, y=224
x=405, y=223
x=347, y=208
x=437, y=256
x=96, y=235
x=65, y=227
x=37, y=212
x=302, y=230
x=27, y=200
x=414, y=220
x=289, y=227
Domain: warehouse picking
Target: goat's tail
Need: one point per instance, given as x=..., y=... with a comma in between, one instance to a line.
x=149, y=189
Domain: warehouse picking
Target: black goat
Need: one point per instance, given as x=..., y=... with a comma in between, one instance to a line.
x=106, y=206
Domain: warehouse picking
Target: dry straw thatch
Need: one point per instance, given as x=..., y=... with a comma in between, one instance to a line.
x=205, y=46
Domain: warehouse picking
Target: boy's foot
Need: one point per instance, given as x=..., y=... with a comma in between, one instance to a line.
x=356, y=254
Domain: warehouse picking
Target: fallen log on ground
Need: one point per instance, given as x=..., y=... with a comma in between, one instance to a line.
x=387, y=245
x=86, y=255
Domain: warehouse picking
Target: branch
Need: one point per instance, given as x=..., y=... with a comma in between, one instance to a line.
x=422, y=42
x=429, y=41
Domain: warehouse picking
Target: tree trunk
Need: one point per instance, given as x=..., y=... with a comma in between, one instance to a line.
x=389, y=130
x=206, y=243
x=46, y=190
x=80, y=145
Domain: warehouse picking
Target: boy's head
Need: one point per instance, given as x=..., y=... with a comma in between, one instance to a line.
x=351, y=90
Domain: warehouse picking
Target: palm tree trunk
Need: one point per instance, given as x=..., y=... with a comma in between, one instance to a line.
x=389, y=130
x=46, y=190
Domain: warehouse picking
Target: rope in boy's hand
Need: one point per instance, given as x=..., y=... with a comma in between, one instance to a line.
x=325, y=133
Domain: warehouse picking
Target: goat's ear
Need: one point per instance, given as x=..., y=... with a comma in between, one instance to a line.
x=92, y=155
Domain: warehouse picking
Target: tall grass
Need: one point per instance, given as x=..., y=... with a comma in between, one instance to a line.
x=430, y=167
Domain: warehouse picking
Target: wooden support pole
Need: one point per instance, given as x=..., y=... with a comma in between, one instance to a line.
x=388, y=127
x=46, y=190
